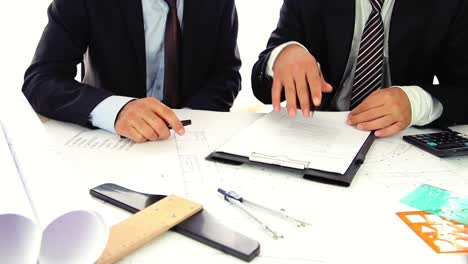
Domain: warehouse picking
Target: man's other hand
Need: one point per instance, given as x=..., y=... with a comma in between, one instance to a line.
x=387, y=111
x=146, y=119
x=297, y=71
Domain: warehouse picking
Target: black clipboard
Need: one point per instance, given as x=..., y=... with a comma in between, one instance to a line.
x=309, y=174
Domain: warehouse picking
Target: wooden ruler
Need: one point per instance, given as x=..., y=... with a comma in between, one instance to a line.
x=132, y=233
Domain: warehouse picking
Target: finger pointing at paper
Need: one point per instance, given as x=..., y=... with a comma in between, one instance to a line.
x=297, y=73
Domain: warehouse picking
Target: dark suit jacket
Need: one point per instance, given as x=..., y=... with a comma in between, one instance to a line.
x=109, y=36
x=427, y=38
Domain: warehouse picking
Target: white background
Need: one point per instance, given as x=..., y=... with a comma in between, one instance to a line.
x=22, y=23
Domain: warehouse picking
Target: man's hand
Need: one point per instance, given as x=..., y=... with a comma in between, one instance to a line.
x=388, y=111
x=297, y=71
x=146, y=120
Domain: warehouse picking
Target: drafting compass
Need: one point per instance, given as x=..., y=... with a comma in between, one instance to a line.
x=244, y=204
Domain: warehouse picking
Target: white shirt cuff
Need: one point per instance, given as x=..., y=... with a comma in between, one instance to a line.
x=274, y=54
x=425, y=108
x=105, y=113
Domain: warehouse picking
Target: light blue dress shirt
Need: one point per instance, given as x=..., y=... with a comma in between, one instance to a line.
x=154, y=16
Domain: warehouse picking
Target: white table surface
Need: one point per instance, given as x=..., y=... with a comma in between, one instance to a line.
x=349, y=225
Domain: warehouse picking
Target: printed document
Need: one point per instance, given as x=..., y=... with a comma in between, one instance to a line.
x=323, y=142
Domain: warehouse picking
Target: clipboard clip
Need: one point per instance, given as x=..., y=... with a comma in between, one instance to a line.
x=282, y=161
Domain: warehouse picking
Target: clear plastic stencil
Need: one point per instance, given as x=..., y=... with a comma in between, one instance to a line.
x=439, y=202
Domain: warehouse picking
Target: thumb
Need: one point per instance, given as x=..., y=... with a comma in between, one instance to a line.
x=326, y=87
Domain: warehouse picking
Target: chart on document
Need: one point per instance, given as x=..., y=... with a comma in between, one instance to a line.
x=93, y=141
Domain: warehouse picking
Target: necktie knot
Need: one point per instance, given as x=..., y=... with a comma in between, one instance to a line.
x=171, y=3
x=377, y=5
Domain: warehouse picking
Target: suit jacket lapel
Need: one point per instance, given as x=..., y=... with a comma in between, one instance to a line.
x=194, y=20
x=407, y=21
x=340, y=35
x=132, y=12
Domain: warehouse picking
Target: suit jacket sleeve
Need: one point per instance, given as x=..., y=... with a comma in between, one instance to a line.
x=290, y=28
x=221, y=88
x=49, y=83
x=452, y=72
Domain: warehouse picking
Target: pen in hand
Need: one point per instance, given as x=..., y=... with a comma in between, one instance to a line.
x=185, y=123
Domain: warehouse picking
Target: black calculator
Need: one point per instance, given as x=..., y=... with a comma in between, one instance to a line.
x=443, y=144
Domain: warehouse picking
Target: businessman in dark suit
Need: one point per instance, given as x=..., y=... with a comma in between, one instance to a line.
x=338, y=55
x=141, y=59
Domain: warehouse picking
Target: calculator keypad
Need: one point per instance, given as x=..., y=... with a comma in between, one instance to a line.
x=445, y=140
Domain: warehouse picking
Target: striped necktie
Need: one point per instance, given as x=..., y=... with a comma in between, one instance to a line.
x=171, y=54
x=369, y=67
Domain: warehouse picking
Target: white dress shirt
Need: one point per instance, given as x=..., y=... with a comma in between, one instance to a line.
x=424, y=107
